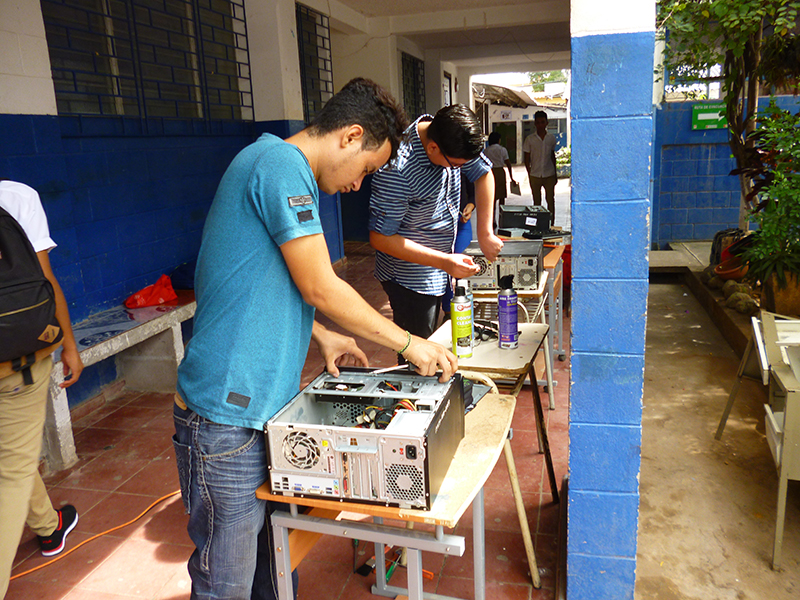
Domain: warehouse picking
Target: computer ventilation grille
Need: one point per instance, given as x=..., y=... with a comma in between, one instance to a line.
x=527, y=278
x=301, y=450
x=483, y=264
x=404, y=482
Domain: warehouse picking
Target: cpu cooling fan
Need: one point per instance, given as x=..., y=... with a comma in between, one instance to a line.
x=483, y=264
x=301, y=450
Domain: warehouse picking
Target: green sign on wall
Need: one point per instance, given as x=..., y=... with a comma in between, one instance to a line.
x=709, y=115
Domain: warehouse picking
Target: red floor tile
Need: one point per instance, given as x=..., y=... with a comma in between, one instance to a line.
x=158, y=478
x=461, y=587
x=113, y=511
x=140, y=568
x=94, y=441
x=165, y=523
x=35, y=590
x=144, y=444
x=105, y=472
x=128, y=418
x=70, y=569
x=321, y=580
x=506, y=560
x=156, y=400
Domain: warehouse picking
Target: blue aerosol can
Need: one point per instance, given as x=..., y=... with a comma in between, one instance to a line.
x=507, y=314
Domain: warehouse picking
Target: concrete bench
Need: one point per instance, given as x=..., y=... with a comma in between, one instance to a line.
x=147, y=345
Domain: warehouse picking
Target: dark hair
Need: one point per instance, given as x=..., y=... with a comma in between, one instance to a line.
x=539, y=113
x=457, y=132
x=494, y=138
x=363, y=102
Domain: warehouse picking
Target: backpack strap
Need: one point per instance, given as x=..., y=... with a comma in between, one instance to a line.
x=25, y=369
x=17, y=366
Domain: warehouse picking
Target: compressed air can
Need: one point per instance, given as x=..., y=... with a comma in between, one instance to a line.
x=465, y=283
x=507, y=317
x=461, y=322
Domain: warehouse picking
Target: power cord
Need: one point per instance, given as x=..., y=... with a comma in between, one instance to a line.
x=94, y=537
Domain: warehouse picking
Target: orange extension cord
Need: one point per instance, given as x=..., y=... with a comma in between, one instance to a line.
x=94, y=537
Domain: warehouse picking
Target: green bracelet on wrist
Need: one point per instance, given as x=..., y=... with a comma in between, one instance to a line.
x=408, y=343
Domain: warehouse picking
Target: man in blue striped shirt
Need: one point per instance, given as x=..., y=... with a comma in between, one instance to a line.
x=414, y=209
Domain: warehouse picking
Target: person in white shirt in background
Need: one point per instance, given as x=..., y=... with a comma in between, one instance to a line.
x=539, y=155
x=498, y=154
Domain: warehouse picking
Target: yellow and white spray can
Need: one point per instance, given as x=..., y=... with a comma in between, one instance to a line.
x=461, y=322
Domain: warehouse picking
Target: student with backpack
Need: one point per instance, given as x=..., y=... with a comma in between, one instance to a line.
x=34, y=320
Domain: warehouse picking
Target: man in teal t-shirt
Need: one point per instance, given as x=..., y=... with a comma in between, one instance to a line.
x=262, y=270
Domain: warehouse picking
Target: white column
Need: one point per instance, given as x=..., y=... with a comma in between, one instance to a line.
x=26, y=83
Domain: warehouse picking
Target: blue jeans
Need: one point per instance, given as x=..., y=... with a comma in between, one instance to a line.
x=220, y=467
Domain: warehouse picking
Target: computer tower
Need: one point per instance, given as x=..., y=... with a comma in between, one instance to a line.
x=383, y=438
x=535, y=219
x=520, y=258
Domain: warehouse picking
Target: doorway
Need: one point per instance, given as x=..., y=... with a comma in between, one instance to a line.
x=508, y=138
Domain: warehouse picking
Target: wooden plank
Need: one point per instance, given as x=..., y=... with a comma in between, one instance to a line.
x=488, y=357
x=301, y=542
x=551, y=259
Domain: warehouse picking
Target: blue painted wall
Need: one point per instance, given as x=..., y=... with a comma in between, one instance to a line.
x=693, y=194
x=126, y=199
x=612, y=132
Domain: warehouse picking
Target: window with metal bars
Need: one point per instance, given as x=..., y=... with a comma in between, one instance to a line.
x=413, y=86
x=316, y=69
x=185, y=59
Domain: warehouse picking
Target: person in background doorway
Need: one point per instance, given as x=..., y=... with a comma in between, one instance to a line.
x=23, y=497
x=539, y=155
x=414, y=210
x=498, y=154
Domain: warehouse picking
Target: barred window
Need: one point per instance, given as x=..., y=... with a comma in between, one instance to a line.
x=413, y=86
x=684, y=84
x=150, y=58
x=316, y=69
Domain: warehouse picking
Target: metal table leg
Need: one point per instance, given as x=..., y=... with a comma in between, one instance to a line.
x=542, y=430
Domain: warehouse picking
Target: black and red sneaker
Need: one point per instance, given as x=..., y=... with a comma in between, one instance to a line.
x=54, y=543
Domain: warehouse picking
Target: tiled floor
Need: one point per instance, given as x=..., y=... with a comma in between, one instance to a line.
x=127, y=464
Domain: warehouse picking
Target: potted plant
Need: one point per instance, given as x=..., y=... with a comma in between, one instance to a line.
x=564, y=162
x=773, y=256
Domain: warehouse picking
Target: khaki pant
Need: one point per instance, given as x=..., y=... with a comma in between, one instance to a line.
x=549, y=185
x=23, y=497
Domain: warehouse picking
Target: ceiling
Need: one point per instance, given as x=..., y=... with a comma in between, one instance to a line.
x=488, y=36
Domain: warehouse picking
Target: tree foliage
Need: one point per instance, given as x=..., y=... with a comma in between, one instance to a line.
x=775, y=248
x=539, y=78
x=754, y=40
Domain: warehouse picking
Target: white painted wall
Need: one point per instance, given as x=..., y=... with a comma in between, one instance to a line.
x=274, y=60
x=365, y=56
x=26, y=83
x=590, y=17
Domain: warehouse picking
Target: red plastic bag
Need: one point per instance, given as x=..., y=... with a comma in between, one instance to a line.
x=160, y=292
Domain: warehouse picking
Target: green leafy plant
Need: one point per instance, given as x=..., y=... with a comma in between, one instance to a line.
x=539, y=78
x=564, y=157
x=755, y=42
x=775, y=248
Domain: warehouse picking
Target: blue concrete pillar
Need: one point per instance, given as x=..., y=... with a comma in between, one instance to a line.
x=612, y=131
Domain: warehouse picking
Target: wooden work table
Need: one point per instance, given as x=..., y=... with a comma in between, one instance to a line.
x=486, y=432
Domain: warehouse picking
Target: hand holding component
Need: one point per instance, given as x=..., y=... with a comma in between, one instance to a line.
x=338, y=350
x=431, y=357
x=461, y=266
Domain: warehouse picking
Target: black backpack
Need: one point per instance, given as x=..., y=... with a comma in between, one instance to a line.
x=27, y=301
